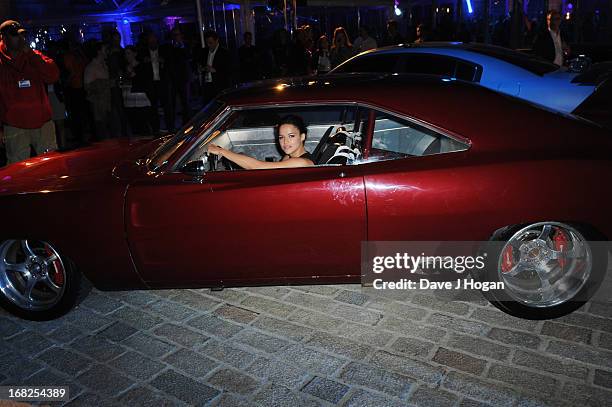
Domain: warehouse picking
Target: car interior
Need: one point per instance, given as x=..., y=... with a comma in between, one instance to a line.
x=333, y=139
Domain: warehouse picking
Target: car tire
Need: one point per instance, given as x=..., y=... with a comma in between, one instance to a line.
x=36, y=282
x=537, y=286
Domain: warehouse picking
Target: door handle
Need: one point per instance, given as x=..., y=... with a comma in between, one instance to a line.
x=342, y=174
x=194, y=180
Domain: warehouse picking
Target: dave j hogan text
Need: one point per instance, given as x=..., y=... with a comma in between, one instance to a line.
x=424, y=284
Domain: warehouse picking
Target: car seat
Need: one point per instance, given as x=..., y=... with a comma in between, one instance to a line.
x=344, y=155
x=338, y=149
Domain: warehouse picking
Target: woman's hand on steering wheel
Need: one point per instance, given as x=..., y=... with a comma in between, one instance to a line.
x=220, y=157
x=228, y=164
x=215, y=149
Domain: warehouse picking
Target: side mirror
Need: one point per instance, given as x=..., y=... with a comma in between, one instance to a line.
x=194, y=168
x=580, y=64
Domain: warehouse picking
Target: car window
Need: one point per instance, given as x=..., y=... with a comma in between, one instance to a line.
x=467, y=71
x=531, y=63
x=371, y=63
x=429, y=64
x=418, y=63
x=195, y=126
x=252, y=132
x=395, y=137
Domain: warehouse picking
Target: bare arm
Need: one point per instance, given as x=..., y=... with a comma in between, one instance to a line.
x=251, y=163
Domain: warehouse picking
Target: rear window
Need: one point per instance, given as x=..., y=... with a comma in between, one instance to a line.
x=429, y=64
x=531, y=63
x=395, y=138
x=417, y=63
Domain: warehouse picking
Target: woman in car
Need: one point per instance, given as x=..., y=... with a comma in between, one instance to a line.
x=291, y=133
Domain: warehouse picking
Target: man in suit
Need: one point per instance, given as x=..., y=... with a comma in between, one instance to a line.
x=549, y=44
x=215, y=63
x=176, y=60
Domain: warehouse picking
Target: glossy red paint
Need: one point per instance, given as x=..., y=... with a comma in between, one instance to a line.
x=72, y=201
x=125, y=226
x=248, y=226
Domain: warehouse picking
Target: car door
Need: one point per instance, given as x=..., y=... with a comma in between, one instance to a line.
x=414, y=182
x=248, y=226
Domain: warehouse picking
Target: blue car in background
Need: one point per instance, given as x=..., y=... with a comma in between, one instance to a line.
x=504, y=70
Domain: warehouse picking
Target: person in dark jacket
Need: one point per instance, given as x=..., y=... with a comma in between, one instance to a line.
x=392, y=36
x=281, y=52
x=215, y=64
x=176, y=75
x=135, y=97
x=301, y=59
x=153, y=64
x=25, y=111
x=249, y=60
x=116, y=63
x=75, y=62
x=341, y=48
x=549, y=44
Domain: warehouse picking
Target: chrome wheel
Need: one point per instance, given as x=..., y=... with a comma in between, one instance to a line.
x=32, y=274
x=545, y=264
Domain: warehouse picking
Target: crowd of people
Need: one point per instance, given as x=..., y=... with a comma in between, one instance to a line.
x=76, y=93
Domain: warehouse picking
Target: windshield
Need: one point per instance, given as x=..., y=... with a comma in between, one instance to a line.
x=192, y=129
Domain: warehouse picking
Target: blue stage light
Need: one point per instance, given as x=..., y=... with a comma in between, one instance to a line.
x=469, y=6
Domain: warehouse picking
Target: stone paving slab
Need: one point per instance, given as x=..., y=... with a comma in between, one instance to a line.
x=311, y=346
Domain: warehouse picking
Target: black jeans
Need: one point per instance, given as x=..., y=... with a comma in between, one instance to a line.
x=81, y=121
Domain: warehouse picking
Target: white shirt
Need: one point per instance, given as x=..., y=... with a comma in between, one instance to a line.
x=556, y=37
x=324, y=62
x=154, y=53
x=209, y=61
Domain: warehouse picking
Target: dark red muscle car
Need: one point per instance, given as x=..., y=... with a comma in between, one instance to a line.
x=399, y=158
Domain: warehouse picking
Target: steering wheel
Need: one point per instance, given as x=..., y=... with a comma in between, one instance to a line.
x=229, y=164
x=212, y=161
x=318, y=151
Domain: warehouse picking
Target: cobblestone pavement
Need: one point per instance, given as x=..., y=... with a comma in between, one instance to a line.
x=310, y=346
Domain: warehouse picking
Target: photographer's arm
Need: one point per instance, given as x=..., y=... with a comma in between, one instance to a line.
x=43, y=66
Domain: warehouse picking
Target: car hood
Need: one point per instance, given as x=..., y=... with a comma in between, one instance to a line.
x=57, y=170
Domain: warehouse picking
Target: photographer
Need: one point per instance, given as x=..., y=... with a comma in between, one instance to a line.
x=25, y=112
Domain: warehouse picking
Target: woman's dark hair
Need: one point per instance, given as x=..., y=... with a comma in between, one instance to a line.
x=294, y=120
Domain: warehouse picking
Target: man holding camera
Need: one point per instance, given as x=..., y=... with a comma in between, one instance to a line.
x=25, y=112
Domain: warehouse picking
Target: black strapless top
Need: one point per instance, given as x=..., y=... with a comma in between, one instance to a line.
x=306, y=155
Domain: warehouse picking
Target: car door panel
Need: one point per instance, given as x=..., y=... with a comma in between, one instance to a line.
x=248, y=226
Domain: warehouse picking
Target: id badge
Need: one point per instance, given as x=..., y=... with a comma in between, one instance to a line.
x=24, y=84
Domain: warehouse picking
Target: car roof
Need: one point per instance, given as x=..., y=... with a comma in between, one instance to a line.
x=373, y=88
x=460, y=108
x=477, y=52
